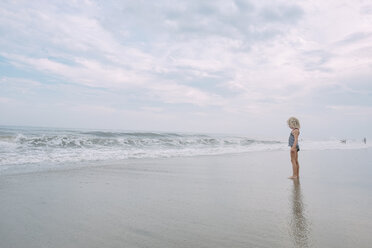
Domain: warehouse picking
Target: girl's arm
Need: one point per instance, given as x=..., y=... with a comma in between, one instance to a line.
x=295, y=134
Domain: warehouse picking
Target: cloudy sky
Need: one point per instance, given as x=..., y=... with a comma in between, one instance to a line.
x=229, y=66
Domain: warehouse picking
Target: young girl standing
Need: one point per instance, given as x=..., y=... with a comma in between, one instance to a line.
x=294, y=124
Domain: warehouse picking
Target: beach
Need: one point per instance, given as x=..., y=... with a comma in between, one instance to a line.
x=238, y=200
x=170, y=124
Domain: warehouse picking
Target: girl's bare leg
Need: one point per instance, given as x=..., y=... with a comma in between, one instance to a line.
x=297, y=166
x=294, y=165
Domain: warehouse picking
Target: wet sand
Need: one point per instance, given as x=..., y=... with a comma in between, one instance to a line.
x=212, y=201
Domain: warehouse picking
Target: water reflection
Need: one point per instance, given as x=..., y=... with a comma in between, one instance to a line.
x=299, y=227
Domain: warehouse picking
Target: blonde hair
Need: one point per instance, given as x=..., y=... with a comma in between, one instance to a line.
x=293, y=122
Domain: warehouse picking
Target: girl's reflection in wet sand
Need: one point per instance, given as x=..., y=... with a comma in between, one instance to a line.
x=299, y=226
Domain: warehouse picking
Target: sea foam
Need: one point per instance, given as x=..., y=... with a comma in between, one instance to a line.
x=40, y=146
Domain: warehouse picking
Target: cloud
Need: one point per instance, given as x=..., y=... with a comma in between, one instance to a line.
x=5, y=100
x=82, y=71
x=352, y=110
x=366, y=9
x=94, y=109
x=316, y=60
x=282, y=13
x=355, y=37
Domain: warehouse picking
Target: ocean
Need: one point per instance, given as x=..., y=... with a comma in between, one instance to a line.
x=32, y=148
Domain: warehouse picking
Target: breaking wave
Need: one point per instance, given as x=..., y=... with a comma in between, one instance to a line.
x=25, y=146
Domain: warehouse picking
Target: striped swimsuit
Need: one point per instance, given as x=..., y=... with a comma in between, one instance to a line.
x=291, y=141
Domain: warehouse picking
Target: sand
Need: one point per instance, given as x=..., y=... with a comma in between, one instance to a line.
x=211, y=201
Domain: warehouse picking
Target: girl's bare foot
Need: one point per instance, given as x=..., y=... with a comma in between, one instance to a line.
x=293, y=177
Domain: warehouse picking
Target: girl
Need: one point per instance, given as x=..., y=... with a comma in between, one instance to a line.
x=294, y=124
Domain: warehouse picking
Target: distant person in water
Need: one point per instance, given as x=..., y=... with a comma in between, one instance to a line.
x=365, y=140
x=294, y=124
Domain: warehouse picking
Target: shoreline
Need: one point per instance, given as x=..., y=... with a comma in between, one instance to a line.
x=45, y=167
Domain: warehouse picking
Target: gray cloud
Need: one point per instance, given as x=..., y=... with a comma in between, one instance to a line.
x=354, y=37
x=282, y=13
x=172, y=20
x=316, y=60
x=366, y=10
